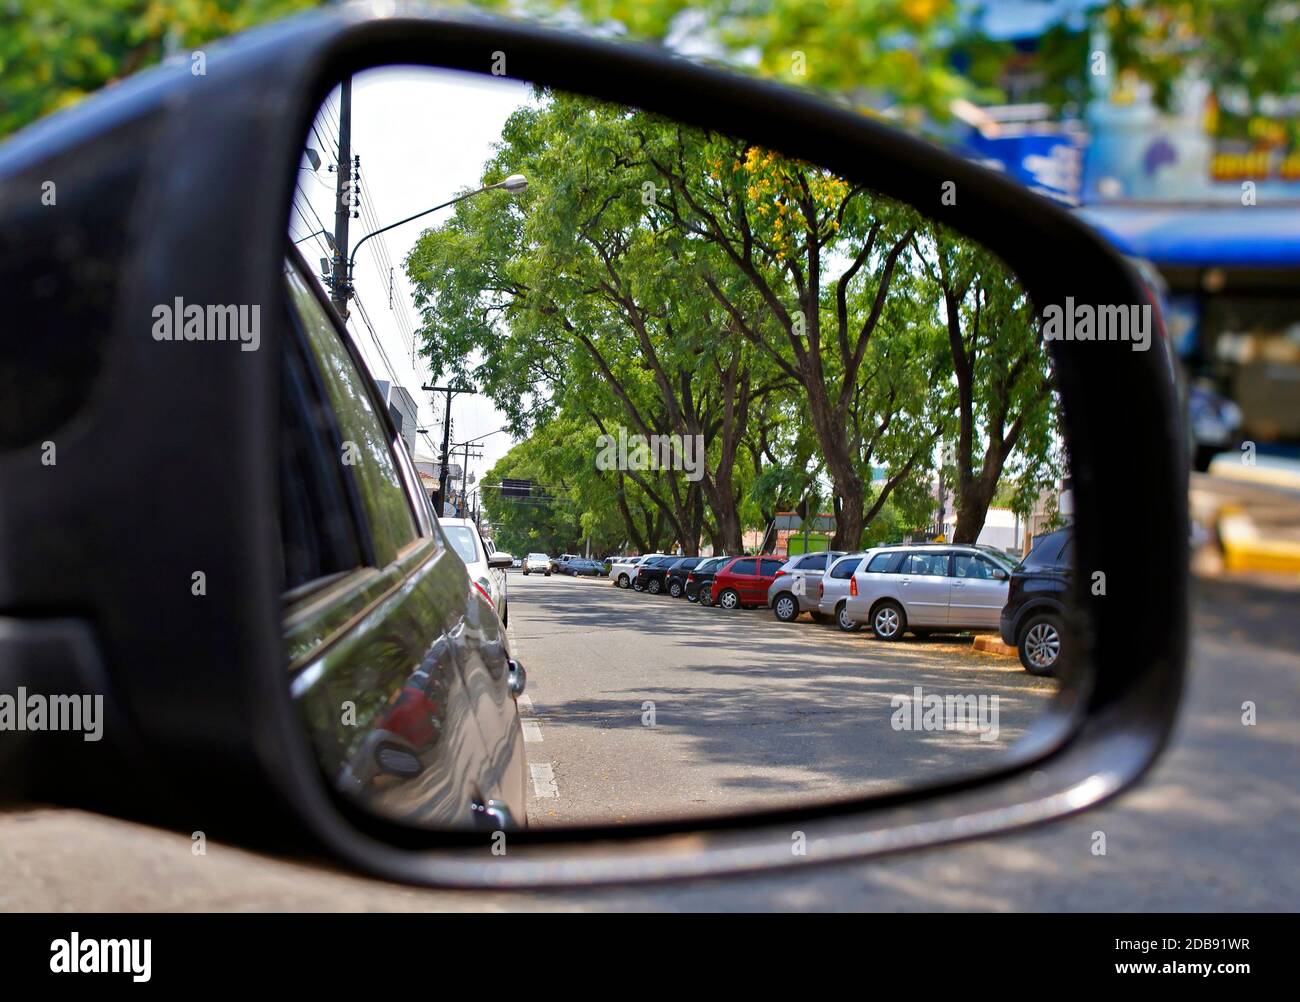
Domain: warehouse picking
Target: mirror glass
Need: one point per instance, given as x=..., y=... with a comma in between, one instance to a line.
x=776, y=461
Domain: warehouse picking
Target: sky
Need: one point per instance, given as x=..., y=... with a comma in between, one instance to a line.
x=423, y=136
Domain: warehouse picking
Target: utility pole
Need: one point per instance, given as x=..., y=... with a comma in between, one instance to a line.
x=446, y=441
x=464, y=475
x=343, y=202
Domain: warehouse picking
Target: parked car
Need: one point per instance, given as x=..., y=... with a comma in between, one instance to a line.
x=743, y=581
x=537, y=563
x=833, y=591
x=923, y=587
x=517, y=562
x=623, y=570
x=650, y=575
x=675, y=579
x=1033, y=617
x=487, y=570
x=795, y=588
x=700, y=580
x=557, y=563
x=581, y=567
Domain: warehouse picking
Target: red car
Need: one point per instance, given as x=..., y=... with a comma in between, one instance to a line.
x=744, y=581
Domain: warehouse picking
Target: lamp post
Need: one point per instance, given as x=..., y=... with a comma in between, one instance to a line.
x=514, y=184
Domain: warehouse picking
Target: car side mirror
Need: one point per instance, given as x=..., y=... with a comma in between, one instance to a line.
x=174, y=555
x=1000, y=575
x=501, y=559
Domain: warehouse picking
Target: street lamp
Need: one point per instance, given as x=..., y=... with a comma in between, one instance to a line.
x=514, y=184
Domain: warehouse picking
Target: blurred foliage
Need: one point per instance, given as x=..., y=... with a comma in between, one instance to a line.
x=886, y=56
x=55, y=52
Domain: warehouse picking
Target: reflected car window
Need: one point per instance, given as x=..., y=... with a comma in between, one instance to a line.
x=365, y=448
x=461, y=538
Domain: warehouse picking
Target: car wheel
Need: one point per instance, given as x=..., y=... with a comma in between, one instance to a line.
x=729, y=599
x=1040, y=644
x=675, y=589
x=888, y=621
x=655, y=586
x=706, y=597
x=622, y=581
x=786, y=607
x=844, y=621
x=692, y=598
x=637, y=585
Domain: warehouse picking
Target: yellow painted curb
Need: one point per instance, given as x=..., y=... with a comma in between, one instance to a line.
x=990, y=644
x=1244, y=549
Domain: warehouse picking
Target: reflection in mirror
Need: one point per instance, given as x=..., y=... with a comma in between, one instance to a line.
x=780, y=459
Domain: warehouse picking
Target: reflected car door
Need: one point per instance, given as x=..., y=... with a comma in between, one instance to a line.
x=371, y=652
x=925, y=587
x=977, y=595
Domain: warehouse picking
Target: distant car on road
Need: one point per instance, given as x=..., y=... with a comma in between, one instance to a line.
x=517, y=562
x=487, y=570
x=795, y=588
x=1033, y=617
x=833, y=591
x=744, y=581
x=537, y=563
x=922, y=588
x=700, y=579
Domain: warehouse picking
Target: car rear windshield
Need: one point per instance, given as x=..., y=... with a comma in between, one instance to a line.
x=1051, y=550
x=461, y=538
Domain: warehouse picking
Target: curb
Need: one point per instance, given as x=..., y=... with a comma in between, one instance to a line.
x=1244, y=549
x=989, y=644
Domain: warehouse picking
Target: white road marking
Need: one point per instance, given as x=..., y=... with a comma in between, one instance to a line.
x=544, y=781
x=544, y=785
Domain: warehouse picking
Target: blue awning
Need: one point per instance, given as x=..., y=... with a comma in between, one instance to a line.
x=1202, y=236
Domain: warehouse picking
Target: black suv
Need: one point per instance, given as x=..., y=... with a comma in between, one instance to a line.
x=1032, y=619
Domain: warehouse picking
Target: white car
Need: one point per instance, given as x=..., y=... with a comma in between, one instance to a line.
x=486, y=569
x=623, y=572
x=539, y=562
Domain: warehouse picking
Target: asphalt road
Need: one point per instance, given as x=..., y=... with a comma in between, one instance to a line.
x=1212, y=828
x=644, y=707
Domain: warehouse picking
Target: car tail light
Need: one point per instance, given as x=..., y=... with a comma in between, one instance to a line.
x=853, y=586
x=779, y=573
x=821, y=589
